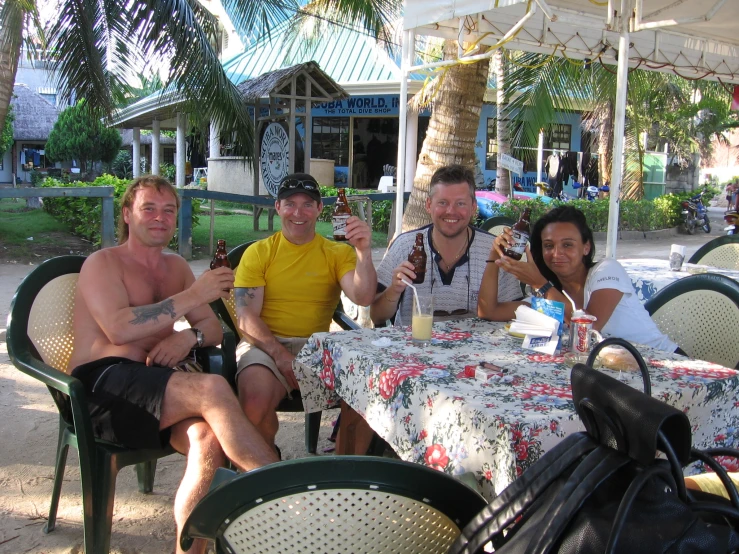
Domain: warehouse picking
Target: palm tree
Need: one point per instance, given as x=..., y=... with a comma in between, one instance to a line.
x=15, y=16
x=457, y=97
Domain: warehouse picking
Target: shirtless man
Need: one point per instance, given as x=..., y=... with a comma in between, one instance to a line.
x=127, y=301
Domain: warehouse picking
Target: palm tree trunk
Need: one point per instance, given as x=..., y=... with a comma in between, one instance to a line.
x=10, y=50
x=452, y=130
x=605, y=113
x=502, y=176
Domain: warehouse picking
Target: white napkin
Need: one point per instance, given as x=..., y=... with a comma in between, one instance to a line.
x=541, y=330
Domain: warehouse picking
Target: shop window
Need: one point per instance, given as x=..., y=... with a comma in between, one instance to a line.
x=168, y=155
x=559, y=137
x=491, y=152
x=330, y=140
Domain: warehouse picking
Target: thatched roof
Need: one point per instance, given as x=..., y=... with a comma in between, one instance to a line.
x=34, y=116
x=278, y=82
x=127, y=138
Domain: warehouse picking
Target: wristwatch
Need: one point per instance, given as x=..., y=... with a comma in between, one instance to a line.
x=542, y=291
x=199, y=337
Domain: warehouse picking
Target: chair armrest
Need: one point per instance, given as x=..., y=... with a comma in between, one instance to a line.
x=343, y=320
x=220, y=361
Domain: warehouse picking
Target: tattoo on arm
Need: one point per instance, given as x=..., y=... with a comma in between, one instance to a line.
x=241, y=294
x=148, y=313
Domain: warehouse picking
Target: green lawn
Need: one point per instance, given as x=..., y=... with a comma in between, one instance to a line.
x=17, y=224
x=237, y=229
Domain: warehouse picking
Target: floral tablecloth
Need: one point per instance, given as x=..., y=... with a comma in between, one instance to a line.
x=423, y=404
x=649, y=275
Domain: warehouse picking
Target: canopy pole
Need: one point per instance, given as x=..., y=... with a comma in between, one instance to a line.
x=409, y=40
x=618, y=132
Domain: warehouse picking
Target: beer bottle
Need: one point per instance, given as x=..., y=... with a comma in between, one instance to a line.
x=418, y=258
x=340, y=215
x=521, y=232
x=221, y=257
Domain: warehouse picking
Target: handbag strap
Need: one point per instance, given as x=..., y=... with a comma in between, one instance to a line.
x=598, y=466
x=520, y=494
x=615, y=341
x=706, y=457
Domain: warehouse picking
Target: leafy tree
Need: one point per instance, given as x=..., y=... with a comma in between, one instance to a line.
x=80, y=135
x=6, y=138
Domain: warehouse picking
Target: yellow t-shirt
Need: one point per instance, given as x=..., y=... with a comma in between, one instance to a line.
x=301, y=282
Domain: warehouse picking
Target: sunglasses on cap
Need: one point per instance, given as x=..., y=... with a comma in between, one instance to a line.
x=304, y=184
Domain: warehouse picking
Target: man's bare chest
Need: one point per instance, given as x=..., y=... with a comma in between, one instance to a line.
x=147, y=287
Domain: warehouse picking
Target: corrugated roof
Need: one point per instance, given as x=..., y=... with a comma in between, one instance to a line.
x=345, y=55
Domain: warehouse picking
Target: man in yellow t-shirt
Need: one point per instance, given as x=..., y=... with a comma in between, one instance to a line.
x=286, y=288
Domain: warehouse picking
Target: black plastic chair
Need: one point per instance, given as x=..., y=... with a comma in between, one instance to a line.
x=701, y=314
x=334, y=504
x=720, y=252
x=226, y=309
x=495, y=225
x=40, y=339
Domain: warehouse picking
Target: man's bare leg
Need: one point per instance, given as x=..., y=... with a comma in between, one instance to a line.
x=194, y=438
x=260, y=392
x=211, y=398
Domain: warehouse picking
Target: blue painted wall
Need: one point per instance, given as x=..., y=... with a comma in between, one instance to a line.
x=489, y=111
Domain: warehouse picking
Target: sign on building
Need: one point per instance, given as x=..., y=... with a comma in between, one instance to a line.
x=273, y=157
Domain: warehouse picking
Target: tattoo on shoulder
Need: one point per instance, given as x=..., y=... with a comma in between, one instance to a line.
x=242, y=295
x=148, y=313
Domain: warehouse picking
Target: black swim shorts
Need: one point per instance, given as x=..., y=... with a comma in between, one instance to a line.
x=125, y=401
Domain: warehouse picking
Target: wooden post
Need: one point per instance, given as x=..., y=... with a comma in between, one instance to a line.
x=107, y=222
x=184, y=222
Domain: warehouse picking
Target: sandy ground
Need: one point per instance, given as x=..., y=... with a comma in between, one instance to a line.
x=142, y=524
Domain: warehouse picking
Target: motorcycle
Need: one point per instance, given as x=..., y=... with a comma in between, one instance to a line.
x=547, y=190
x=591, y=192
x=695, y=214
x=732, y=218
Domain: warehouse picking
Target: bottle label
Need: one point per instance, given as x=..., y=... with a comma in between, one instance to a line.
x=339, y=222
x=520, y=240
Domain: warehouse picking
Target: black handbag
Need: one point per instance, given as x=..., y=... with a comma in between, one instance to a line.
x=605, y=490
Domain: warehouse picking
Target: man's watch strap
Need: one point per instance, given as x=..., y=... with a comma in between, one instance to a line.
x=199, y=337
x=542, y=291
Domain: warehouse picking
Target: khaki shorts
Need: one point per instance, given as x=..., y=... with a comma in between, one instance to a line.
x=247, y=355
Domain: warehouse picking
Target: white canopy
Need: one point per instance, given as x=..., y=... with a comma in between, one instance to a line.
x=692, y=38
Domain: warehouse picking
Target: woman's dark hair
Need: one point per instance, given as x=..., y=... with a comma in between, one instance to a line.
x=561, y=214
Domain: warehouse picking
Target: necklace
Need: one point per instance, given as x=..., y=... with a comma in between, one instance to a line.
x=459, y=254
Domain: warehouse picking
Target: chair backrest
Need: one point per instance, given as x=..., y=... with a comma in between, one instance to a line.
x=227, y=307
x=720, y=252
x=334, y=504
x=495, y=225
x=45, y=303
x=701, y=314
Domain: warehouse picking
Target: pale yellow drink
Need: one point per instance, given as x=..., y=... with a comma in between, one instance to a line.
x=421, y=328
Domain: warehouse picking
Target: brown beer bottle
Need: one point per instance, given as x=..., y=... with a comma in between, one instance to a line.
x=521, y=232
x=342, y=212
x=221, y=257
x=418, y=258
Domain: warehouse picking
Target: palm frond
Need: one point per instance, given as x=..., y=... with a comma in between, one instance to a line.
x=255, y=19
x=184, y=29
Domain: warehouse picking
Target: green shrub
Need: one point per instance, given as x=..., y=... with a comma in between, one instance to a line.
x=82, y=215
x=380, y=210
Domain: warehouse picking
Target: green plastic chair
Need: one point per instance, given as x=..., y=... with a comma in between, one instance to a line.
x=720, y=252
x=495, y=225
x=701, y=314
x=226, y=309
x=40, y=339
x=351, y=504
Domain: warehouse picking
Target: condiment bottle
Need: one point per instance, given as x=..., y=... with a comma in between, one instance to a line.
x=418, y=258
x=220, y=259
x=340, y=215
x=521, y=233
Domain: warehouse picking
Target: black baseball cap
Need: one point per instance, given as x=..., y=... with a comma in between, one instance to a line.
x=296, y=183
